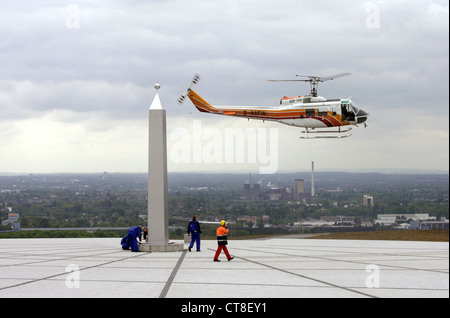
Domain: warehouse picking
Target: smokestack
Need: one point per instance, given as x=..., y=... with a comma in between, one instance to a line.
x=312, y=180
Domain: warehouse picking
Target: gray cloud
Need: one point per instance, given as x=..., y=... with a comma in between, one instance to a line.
x=104, y=70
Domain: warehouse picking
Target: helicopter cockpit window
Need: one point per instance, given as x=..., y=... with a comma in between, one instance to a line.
x=348, y=113
x=354, y=108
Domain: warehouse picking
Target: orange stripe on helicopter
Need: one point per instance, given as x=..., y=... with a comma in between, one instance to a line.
x=200, y=103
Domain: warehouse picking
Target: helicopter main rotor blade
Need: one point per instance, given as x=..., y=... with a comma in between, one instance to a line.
x=332, y=77
x=313, y=81
x=322, y=79
x=311, y=78
x=288, y=80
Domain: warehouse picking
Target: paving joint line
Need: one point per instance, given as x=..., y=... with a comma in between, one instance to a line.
x=65, y=273
x=169, y=282
x=306, y=277
x=348, y=261
x=302, y=276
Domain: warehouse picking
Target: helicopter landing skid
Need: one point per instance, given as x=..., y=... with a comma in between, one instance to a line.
x=314, y=134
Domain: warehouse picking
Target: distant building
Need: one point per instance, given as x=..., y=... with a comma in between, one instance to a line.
x=252, y=191
x=275, y=194
x=12, y=218
x=247, y=189
x=427, y=225
x=389, y=219
x=299, y=188
x=248, y=218
x=368, y=200
x=433, y=225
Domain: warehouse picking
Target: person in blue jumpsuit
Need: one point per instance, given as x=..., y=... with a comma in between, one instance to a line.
x=125, y=243
x=132, y=239
x=194, y=229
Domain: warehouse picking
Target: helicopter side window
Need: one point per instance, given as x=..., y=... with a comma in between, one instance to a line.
x=310, y=112
x=322, y=112
x=334, y=110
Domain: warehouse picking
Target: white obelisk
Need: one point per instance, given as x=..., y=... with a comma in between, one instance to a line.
x=158, y=214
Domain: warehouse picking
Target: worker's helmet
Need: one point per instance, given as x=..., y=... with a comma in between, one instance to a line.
x=222, y=222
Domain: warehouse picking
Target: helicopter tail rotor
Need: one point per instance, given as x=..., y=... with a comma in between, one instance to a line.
x=193, y=82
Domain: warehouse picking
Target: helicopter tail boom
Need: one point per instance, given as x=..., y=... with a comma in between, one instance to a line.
x=200, y=103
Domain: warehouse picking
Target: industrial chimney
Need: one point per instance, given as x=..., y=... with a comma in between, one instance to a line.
x=312, y=180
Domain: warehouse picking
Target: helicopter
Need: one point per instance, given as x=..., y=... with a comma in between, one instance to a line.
x=320, y=117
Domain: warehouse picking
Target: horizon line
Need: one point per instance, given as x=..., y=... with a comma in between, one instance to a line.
x=375, y=170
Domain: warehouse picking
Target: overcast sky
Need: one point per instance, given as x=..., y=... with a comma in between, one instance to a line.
x=76, y=82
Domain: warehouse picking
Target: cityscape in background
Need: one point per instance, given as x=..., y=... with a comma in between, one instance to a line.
x=251, y=203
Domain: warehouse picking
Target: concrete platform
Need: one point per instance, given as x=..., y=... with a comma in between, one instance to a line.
x=272, y=268
x=163, y=247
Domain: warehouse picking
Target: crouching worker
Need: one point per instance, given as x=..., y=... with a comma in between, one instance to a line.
x=125, y=243
x=222, y=240
x=133, y=238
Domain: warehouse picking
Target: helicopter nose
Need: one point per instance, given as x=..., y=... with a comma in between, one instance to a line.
x=361, y=116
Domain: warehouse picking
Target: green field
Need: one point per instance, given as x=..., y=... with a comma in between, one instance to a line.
x=404, y=235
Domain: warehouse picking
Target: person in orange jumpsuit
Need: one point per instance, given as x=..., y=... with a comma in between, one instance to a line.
x=222, y=241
